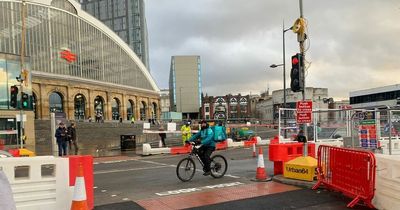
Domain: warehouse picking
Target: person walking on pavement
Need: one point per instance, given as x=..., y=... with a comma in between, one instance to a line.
x=206, y=138
x=133, y=120
x=72, y=138
x=163, y=136
x=300, y=137
x=186, y=132
x=61, y=136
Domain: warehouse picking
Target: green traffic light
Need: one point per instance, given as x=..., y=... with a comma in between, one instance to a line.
x=25, y=104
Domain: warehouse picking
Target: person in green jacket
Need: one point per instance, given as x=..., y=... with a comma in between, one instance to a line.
x=206, y=138
x=186, y=132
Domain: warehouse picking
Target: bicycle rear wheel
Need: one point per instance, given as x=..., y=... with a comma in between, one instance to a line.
x=219, y=166
x=185, y=169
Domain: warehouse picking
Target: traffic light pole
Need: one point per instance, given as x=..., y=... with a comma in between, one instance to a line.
x=301, y=38
x=21, y=79
x=21, y=120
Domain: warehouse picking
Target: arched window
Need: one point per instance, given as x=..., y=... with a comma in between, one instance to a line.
x=80, y=105
x=56, y=102
x=130, y=110
x=99, y=108
x=34, y=107
x=115, y=108
x=154, y=111
x=143, y=108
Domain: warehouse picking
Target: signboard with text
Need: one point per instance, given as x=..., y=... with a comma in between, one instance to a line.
x=304, y=112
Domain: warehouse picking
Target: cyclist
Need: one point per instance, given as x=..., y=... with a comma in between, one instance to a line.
x=206, y=138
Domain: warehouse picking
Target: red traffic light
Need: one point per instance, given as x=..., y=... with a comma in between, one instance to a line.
x=14, y=89
x=295, y=61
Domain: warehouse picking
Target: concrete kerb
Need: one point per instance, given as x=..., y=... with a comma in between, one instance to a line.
x=295, y=182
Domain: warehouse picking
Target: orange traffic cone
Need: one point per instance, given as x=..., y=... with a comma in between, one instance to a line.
x=79, y=199
x=261, y=175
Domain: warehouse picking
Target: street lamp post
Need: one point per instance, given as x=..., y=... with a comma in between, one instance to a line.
x=284, y=69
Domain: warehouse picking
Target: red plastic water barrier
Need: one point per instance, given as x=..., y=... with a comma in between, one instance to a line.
x=87, y=163
x=14, y=152
x=250, y=142
x=349, y=171
x=283, y=152
x=181, y=150
x=221, y=145
x=2, y=142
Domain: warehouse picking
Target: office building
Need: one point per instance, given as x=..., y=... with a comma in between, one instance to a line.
x=185, y=85
x=127, y=19
x=379, y=97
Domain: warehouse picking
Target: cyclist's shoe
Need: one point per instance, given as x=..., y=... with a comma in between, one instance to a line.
x=207, y=173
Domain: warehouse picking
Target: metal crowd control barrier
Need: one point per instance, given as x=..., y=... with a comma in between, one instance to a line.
x=349, y=171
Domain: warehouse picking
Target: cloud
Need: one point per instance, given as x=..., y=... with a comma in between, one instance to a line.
x=353, y=44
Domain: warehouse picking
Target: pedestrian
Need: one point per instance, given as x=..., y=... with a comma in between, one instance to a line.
x=61, y=136
x=72, y=138
x=300, y=137
x=101, y=117
x=163, y=136
x=133, y=120
x=186, y=132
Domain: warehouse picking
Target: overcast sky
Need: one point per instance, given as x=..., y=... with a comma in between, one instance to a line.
x=353, y=44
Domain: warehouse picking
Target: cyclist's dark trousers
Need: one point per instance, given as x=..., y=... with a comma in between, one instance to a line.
x=205, y=154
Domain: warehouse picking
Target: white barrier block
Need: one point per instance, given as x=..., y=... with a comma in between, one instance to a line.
x=147, y=150
x=262, y=142
x=156, y=151
x=38, y=183
x=387, y=193
x=231, y=143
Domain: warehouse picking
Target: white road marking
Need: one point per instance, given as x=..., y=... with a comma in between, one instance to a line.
x=232, y=176
x=125, y=199
x=103, y=191
x=113, y=195
x=188, y=190
x=124, y=170
x=152, y=162
x=94, y=187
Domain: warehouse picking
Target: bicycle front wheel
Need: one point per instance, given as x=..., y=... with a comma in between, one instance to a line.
x=219, y=166
x=185, y=169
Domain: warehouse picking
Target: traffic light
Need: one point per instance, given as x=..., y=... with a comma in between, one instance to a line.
x=24, y=100
x=14, y=96
x=297, y=73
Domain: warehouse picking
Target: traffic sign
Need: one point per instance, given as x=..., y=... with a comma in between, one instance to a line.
x=304, y=112
x=303, y=118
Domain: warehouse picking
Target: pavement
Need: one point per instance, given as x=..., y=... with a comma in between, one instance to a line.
x=301, y=199
x=258, y=195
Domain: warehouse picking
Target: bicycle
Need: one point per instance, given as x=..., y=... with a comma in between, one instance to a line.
x=186, y=167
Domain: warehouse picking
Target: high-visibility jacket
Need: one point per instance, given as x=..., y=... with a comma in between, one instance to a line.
x=186, y=132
